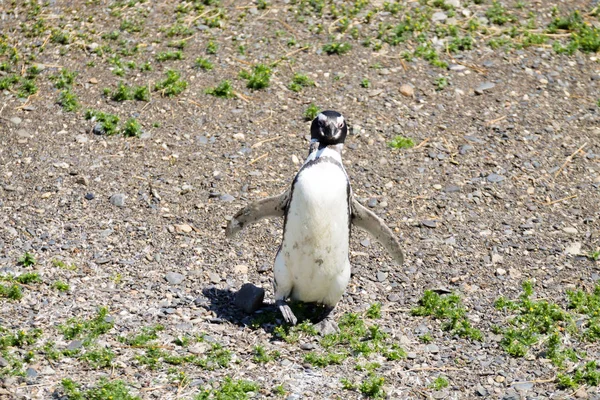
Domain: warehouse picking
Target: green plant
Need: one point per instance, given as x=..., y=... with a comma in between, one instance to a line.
x=122, y=93
x=223, y=89
x=300, y=81
x=323, y=360
x=68, y=100
x=450, y=309
x=426, y=338
x=108, y=122
x=311, y=112
x=203, y=63
x=261, y=355
x=27, y=260
x=441, y=82
x=169, y=55
x=374, y=311
x=12, y=292
x=372, y=387
x=141, y=340
x=365, y=83
x=28, y=278
x=141, y=93
x=211, y=47
x=172, y=85
x=91, y=328
x=103, y=390
x=229, y=389
x=401, y=142
x=132, y=128
x=98, y=358
x=60, y=286
x=498, y=15
x=259, y=78
x=338, y=48
x=439, y=383
x=19, y=338
x=63, y=265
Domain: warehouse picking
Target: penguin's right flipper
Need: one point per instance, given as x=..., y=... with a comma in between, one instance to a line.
x=367, y=220
x=269, y=207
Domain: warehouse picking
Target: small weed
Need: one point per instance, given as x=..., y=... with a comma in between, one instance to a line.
x=300, y=81
x=374, y=311
x=141, y=340
x=497, y=14
x=211, y=47
x=589, y=374
x=28, y=278
x=338, y=48
x=323, y=360
x=401, y=142
x=278, y=390
x=8, y=82
x=103, y=390
x=259, y=78
x=91, y=328
x=19, y=338
x=169, y=56
x=365, y=83
x=108, y=122
x=426, y=338
x=61, y=286
x=440, y=83
x=203, y=63
x=172, y=85
x=145, y=67
x=121, y=93
x=63, y=265
x=223, y=89
x=261, y=355
x=141, y=93
x=372, y=387
x=132, y=128
x=98, y=358
x=229, y=389
x=68, y=100
x=439, y=383
x=311, y=112
x=27, y=260
x=12, y=292
x=179, y=30
x=450, y=309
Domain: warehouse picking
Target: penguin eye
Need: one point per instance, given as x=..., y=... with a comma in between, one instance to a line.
x=341, y=125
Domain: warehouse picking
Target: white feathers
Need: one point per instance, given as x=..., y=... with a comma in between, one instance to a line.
x=312, y=264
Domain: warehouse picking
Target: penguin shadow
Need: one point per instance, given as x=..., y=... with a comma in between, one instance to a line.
x=267, y=317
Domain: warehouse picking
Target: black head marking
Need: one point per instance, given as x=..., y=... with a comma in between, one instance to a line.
x=329, y=128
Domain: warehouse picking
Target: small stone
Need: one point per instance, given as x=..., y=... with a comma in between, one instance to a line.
x=372, y=202
x=382, y=276
x=98, y=129
x=174, y=278
x=249, y=298
x=82, y=180
x=437, y=186
x=226, y=198
x=581, y=393
x=295, y=159
x=241, y=269
x=15, y=120
x=31, y=373
x=497, y=258
x=393, y=297
x=429, y=223
x=485, y=86
x=495, y=178
x=500, y=272
x=432, y=348
x=62, y=165
x=93, y=81
x=89, y=196
x=365, y=242
x=439, y=16
x=183, y=228
x=307, y=346
x=3, y=362
x=574, y=249
x=411, y=355
x=407, y=90
x=499, y=379
x=75, y=345
x=523, y=386
x=239, y=136
x=570, y=230
x=457, y=67
x=481, y=391
x=118, y=200
x=214, y=277
x=464, y=149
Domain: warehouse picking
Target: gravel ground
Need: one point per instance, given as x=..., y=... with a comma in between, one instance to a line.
x=501, y=187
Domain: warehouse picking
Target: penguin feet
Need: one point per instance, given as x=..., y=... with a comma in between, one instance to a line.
x=327, y=327
x=286, y=311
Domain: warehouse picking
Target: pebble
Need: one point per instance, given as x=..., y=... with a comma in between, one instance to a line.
x=439, y=16
x=183, y=228
x=249, y=298
x=93, y=81
x=241, y=269
x=81, y=139
x=239, y=136
x=429, y=223
x=365, y=242
x=15, y=120
x=407, y=90
x=31, y=372
x=464, y=149
x=495, y=178
x=500, y=272
x=118, y=199
x=485, y=86
x=522, y=386
x=574, y=248
x=75, y=344
x=98, y=129
x=214, y=277
x=307, y=346
x=432, y=348
x=411, y=356
x=3, y=362
x=481, y=391
x=226, y=198
x=174, y=278
x=295, y=159
x=83, y=180
x=457, y=67
x=372, y=202
x=570, y=230
x=393, y=297
x=382, y=276
x=89, y=196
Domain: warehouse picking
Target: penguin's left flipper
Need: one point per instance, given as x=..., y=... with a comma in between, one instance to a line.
x=269, y=207
x=367, y=220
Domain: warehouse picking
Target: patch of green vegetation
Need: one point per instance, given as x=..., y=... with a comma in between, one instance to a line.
x=27, y=260
x=179, y=30
x=28, y=278
x=426, y=338
x=12, y=292
x=589, y=375
x=203, y=63
x=583, y=36
x=60, y=37
x=178, y=44
x=262, y=356
x=498, y=15
x=212, y=47
x=300, y=81
x=428, y=53
x=439, y=383
x=365, y=83
x=141, y=340
x=172, y=85
x=440, y=83
x=460, y=43
x=61, y=286
x=145, y=67
x=323, y=360
x=103, y=390
x=98, y=358
x=131, y=26
x=131, y=128
x=63, y=265
x=374, y=311
x=595, y=255
x=450, y=310
x=401, y=142
x=588, y=304
x=338, y=48
x=372, y=387
x=18, y=338
x=88, y=329
x=311, y=112
x=141, y=93
x=68, y=100
x=169, y=56
x=121, y=93
x=9, y=81
x=108, y=122
x=259, y=77
x=229, y=389
x=223, y=89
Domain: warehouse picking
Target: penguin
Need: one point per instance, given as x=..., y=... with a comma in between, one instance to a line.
x=312, y=264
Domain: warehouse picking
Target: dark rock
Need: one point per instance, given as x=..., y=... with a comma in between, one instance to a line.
x=31, y=373
x=98, y=129
x=89, y=196
x=249, y=298
x=3, y=362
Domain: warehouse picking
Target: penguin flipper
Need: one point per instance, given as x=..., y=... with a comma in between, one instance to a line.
x=270, y=207
x=368, y=221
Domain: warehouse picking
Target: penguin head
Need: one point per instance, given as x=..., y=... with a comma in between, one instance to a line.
x=329, y=128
